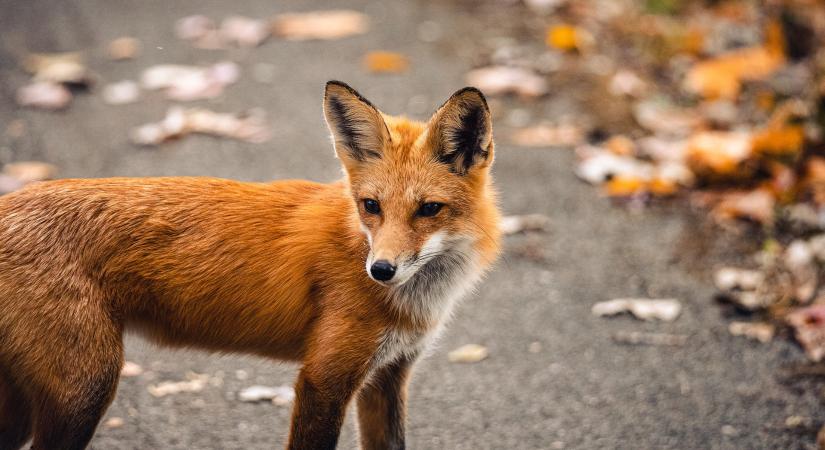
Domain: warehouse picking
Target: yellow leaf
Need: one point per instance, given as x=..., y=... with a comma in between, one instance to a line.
x=779, y=141
x=385, y=62
x=662, y=187
x=563, y=37
x=624, y=186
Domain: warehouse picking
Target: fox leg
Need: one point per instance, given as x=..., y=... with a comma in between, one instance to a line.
x=329, y=378
x=15, y=416
x=79, y=381
x=382, y=407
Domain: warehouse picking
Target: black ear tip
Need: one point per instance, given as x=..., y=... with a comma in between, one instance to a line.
x=473, y=93
x=332, y=84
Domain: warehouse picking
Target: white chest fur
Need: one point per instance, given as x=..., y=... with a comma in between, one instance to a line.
x=429, y=298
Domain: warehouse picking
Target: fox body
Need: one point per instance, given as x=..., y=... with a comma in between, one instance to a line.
x=352, y=279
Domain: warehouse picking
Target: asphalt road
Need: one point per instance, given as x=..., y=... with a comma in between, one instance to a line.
x=580, y=390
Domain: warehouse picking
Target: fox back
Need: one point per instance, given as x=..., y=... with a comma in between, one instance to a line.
x=352, y=279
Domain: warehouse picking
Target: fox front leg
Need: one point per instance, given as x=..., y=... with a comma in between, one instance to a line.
x=382, y=407
x=326, y=384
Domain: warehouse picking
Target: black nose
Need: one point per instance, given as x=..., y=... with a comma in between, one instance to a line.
x=382, y=270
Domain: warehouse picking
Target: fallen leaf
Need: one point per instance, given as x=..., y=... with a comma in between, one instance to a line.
x=121, y=92
x=722, y=76
x=186, y=83
x=732, y=278
x=130, y=369
x=643, y=338
x=517, y=224
x=757, y=205
x=385, y=62
x=114, y=422
x=563, y=37
x=469, y=353
x=779, y=141
x=201, y=31
x=326, y=25
x=809, y=328
x=718, y=152
x=65, y=68
x=646, y=309
x=44, y=95
x=546, y=135
x=620, y=145
x=30, y=171
x=194, y=383
x=597, y=165
x=625, y=186
x=627, y=83
x=664, y=118
x=244, y=31
x=9, y=184
x=124, y=48
x=279, y=395
x=758, y=331
x=250, y=126
x=499, y=80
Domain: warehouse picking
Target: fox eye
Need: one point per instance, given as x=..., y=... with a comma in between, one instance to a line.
x=429, y=209
x=372, y=206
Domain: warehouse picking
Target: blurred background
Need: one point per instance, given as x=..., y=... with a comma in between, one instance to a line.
x=660, y=162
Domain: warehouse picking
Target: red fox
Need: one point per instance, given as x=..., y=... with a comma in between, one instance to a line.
x=352, y=279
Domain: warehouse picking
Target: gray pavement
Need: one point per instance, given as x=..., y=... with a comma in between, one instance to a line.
x=581, y=390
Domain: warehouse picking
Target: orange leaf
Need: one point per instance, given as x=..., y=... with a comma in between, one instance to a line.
x=779, y=141
x=386, y=62
x=624, y=186
x=562, y=37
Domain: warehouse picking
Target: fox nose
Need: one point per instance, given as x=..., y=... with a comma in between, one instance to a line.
x=382, y=270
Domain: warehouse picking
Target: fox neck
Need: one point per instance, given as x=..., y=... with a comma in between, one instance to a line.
x=428, y=297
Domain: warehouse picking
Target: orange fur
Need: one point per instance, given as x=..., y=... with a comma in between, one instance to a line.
x=274, y=269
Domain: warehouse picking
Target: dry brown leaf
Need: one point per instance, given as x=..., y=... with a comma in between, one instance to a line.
x=30, y=171
x=547, y=135
x=130, y=369
x=662, y=117
x=718, y=152
x=124, y=48
x=121, y=92
x=44, y=95
x=809, y=328
x=249, y=127
x=187, y=83
x=517, y=224
x=666, y=309
x=757, y=205
x=758, y=331
x=201, y=31
x=244, y=31
x=194, y=383
x=498, y=80
x=67, y=68
x=385, y=62
x=114, y=422
x=325, y=25
x=469, y=353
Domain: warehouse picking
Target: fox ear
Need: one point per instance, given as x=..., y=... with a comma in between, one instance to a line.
x=358, y=130
x=461, y=131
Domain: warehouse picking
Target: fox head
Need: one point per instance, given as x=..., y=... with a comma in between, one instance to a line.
x=421, y=190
